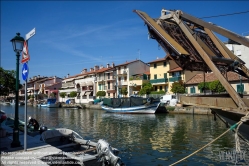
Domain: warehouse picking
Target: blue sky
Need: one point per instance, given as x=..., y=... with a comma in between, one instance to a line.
x=73, y=35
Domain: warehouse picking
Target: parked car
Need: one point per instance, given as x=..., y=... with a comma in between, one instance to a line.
x=169, y=99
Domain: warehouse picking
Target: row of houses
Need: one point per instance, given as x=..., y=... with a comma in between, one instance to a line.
x=161, y=73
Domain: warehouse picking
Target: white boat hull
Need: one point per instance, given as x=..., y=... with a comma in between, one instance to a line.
x=143, y=109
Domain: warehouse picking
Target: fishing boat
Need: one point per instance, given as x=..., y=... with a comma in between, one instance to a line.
x=78, y=150
x=135, y=105
x=50, y=103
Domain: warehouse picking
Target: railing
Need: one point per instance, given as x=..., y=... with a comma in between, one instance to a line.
x=173, y=79
x=110, y=87
x=161, y=80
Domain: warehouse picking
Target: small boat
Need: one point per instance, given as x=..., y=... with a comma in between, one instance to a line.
x=135, y=105
x=14, y=103
x=51, y=103
x=77, y=150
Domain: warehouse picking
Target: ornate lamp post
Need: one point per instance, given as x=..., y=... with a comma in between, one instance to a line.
x=17, y=43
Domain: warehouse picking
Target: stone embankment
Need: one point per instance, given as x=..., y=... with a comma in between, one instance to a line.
x=191, y=110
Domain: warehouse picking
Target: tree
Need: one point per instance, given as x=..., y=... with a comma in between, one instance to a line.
x=101, y=93
x=203, y=86
x=63, y=95
x=124, y=91
x=178, y=87
x=73, y=94
x=216, y=86
x=7, y=82
x=146, y=89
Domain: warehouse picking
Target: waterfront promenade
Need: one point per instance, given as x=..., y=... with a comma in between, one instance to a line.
x=36, y=149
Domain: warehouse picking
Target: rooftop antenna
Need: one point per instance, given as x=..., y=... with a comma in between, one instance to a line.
x=138, y=54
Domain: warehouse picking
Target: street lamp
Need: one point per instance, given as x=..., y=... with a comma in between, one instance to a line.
x=17, y=43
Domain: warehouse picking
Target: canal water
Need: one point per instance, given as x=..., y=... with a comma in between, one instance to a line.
x=154, y=140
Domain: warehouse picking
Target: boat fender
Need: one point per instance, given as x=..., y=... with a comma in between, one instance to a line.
x=105, y=153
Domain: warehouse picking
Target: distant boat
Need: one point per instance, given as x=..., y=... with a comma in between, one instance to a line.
x=51, y=103
x=19, y=103
x=135, y=105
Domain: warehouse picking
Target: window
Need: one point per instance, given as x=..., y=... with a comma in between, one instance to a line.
x=164, y=64
x=108, y=75
x=176, y=74
x=192, y=89
x=161, y=88
x=155, y=76
x=165, y=75
x=240, y=89
x=108, y=85
x=154, y=65
x=166, y=88
x=108, y=94
x=155, y=88
x=125, y=79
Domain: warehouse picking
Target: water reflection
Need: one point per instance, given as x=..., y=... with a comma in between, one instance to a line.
x=143, y=139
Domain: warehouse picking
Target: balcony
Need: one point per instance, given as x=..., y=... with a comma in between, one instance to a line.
x=111, y=78
x=67, y=85
x=99, y=79
x=174, y=79
x=159, y=81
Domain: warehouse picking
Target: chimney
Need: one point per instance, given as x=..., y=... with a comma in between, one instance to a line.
x=96, y=68
x=38, y=76
x=113, y=64
x=91, y=69
x=108, y=65
x=54, y=79
x=67, y=75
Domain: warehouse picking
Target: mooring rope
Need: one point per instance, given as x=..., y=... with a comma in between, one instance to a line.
x=237, y=143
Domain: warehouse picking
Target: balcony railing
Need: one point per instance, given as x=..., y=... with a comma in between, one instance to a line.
x=173, y=79
x=161, y=80
x=66, y=85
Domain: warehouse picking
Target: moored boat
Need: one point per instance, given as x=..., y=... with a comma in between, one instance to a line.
x=78, y=150
x=50, y=103
x=135, y=105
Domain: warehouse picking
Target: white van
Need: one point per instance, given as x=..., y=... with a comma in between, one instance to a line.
x=169, y=99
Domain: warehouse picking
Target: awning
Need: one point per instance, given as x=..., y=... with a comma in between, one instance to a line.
x=83, y=92
x=89, y=83
x=83, y=84
x=88, y=93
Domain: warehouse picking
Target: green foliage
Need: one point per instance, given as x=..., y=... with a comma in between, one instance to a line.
x=124, y=91
x=170, y=108
x=73, y=94
x=101, y=93
x=146, y=89
x=7, y=82
x=203, y=85
x=177, y=87
x=158, y=92
x=63, y=94
x=216, y=86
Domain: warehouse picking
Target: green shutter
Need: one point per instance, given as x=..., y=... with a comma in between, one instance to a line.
x=165, y=75
x=155, y=76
